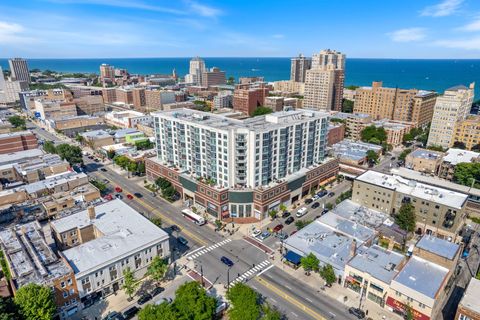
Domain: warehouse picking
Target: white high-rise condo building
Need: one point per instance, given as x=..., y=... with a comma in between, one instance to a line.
x=197, y=68
x=19, y=69
x=453, y=106
x=251, y=155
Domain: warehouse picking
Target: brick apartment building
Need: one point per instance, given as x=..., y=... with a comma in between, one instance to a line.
x=17, y=141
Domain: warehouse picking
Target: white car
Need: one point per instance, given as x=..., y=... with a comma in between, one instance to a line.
x=256, y=233
x=301, y=212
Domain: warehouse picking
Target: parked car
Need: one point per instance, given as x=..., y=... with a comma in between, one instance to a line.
x=359, y=313
x=322, y=193
x=301, y=212
x=108, y=197
x=144, y=299
x=129, y=196
x=130, y=313
x=308, y=201
x=331, y=194
x=226, y=261
x=119, y=196
x=157, y=291
x=285, y=214
x=113, y=315
x=103, y=169
x=105, y=181
x=118, y=189
x=324, y=211
x=175, y=228
x=278, y=228
x=315, y=205
x=162, y=300
x=289, y=220
x=264, y=235
x=392, y=158
x=281, y=236
x=138, y=195
x=315, y=197
x=256, y=232
x=182, y=240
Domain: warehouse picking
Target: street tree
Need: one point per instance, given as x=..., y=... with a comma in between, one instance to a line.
x=49, y=147
x=8, y=310
x=244, y=303
x=406, y=218
x=467, y=173
x=259, y=111
x=282, y=207
x=35, y=302
x=130, y=284
x=272, y=214
x=404, y=154
x=270, y=313
x=372, y=157
x=163, y=311
x=328, y=274
x=309, y=263
x=192, y=302
x=371, y=132
x=157, y=269
x=18, y=122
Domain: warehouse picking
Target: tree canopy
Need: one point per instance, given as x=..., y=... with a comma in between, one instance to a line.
x=130, y=284
x=18, y=122
x=459, y=145
x=35, y=302
x=404, y=154
x=157, y=269
x=244, y=303
x=328, y=274
x=347, y=105
x=310, y=263
x=261, y=111
x=163, y=311
x=372, y=134
x=406, y=217
x=467, y=173
x=192, y=302
x=72, y=154
x=372, y=157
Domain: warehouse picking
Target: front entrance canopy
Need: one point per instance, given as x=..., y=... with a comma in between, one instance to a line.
x=293, y=257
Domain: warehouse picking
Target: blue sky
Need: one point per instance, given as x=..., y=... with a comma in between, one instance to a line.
x=237, y=28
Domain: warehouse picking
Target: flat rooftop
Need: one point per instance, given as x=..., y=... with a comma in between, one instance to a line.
x=219, y=121
x=422, y=276
x=124, y=231
x=359, y=214
x=347, y=227
x=426, y=154
x=378, y=262
x=354, y=150
x=440, y=247
x=98, y=134
x=328, y=246
x=15, y=134
x=415, y=189
x=456, y=156
x=19, y=156
x=470, y=297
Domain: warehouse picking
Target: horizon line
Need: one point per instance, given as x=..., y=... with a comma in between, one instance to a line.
x=219, y=57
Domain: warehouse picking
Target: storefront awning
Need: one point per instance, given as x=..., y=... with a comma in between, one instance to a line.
x=293, y=257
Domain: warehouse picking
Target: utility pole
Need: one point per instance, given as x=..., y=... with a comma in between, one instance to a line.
x=201, y=272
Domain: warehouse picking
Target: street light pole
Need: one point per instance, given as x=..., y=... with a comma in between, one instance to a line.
x=228, y=279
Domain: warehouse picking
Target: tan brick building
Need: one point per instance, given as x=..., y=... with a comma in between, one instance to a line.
x=17, y=141
x=424, y=160
x=89, y=105
x=411, y=105
x=469, y=308
x=468, y=132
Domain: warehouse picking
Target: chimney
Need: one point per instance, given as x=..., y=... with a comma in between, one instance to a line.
x=91, y=212
x=353, y=248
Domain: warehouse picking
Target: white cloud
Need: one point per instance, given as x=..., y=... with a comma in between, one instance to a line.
x=278, y=36
x=465, y=44
x=443, y=9
x=408, y=34
x=12, y=33
x=472, y=26
x=203, y=10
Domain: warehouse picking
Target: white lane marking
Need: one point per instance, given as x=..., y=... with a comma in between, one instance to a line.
x=310, y=300
x=288, y=287
x=198, y=249
x=266, y=270
x=296, y=315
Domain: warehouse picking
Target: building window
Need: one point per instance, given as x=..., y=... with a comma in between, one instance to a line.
x=62, y=284
x=65, y=294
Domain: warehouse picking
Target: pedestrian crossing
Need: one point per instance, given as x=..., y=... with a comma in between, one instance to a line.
x=208, y=249
x=252, y=272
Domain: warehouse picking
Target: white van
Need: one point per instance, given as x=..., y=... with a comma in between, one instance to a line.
x=301, y=212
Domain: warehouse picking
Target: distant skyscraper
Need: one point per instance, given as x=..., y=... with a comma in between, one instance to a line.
x=197, y=68
x=213, y=77
x=453, y=106
x=329, y=66
x=299, y=68
x=107, y=72
x=19, y=69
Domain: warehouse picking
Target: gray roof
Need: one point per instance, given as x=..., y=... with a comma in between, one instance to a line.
x=123, y=132
x=357, y=213
x=15, y=157
x=470, y=297
x=96, y=134
x=124, y=231
x=440, y=247
x=354, y=150
x=422, y=276
x=457, y=88
x=378, y=262
x=347, y=227
x=426, y=154
x=456, y=156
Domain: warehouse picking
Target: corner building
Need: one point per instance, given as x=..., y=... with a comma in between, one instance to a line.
x=241, y=168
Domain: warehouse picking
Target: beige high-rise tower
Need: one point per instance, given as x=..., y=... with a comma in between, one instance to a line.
x=299, y=67
x=453, y=106
x=324, y=81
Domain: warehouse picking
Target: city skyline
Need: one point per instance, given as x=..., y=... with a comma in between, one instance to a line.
x=439, y=29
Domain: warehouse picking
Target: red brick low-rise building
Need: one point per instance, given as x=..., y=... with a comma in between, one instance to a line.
x=17, y=141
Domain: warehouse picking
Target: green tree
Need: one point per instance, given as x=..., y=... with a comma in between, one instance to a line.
x=157, y=269
x=169, y=192
x=35, y=302
x=467, y=173
x=261, y=111
x=406, y=218
x=141, y=168
x=347, y=106
x=102, y=187
x=72, y=154
x=300, y=224
x=407, y=137
x=309, y=263
x=404, y=154
x=352, y=87
x=231, y=80
x=157, y=221
x=371, y=132
x=130, y=284
x=18, y=122
x=329, y=206
x=162, y=183
x=121, y=161
x=435, y=148
x=49, y=147
x=163, y=311
x=244, y=303
x=270, y=313
x=8, y=310
x=79, y=138
x=272, y=214
x=328, y=274
x=459, y=145
x=132, y=166
x=111, y=154
x=144, y=145
x=372, y=157
x=282, y=207
x=192, y=302
x=408, y=312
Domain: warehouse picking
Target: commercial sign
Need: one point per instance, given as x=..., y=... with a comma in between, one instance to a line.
x=397, y=305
